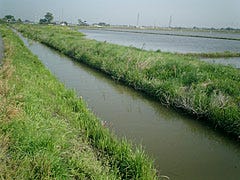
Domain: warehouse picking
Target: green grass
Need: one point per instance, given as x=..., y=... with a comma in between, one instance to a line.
x=206, y=91
x=47, y=132
x=226, y=54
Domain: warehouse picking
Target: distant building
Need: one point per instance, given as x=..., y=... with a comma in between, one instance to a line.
x=64, y=23
x=96, y=25
x=28, y=22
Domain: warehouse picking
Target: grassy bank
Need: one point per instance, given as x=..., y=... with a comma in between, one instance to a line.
x=226, y=54
x=46, y=132
x=209, y=92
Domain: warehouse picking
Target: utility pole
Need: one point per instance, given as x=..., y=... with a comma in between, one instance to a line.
x=138, y=20
x=170, y=22
x=62, y=15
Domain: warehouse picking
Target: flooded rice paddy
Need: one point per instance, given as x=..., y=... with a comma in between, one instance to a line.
x=168, y=43
x=158, y=40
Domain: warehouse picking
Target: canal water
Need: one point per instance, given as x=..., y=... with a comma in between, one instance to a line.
x=181, y=147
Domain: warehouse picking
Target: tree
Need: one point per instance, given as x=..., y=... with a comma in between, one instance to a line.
x=9, y=18
x=43, y=21
x=19, y=20
x=49, y=17
x=82, y=23
x=103, y=24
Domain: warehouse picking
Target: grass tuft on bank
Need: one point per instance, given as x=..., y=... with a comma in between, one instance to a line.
x=225, y=54
x=47, y=132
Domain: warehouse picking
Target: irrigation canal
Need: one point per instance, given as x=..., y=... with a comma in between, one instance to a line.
x=181, y=147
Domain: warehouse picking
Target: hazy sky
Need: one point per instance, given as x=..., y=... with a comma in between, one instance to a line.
x=188, y=13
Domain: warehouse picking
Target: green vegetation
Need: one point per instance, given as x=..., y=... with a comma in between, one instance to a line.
x=46, y=132
x=209, y=92
x=226, y=54
x=9, y=18
x=48, y=18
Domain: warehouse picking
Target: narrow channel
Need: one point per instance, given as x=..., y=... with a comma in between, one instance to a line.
x=181, y=147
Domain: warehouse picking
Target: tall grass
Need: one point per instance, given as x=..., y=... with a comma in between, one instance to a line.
x=225, y=54
x=208, y=92
x=47, y=132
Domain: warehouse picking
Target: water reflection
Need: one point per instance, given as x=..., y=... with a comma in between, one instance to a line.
x=182, y=147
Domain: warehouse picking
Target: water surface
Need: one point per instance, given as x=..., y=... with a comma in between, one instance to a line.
x=193, y=32
x=180, y=44
x=163, y=42
x=182, y=148
x=234, y=62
